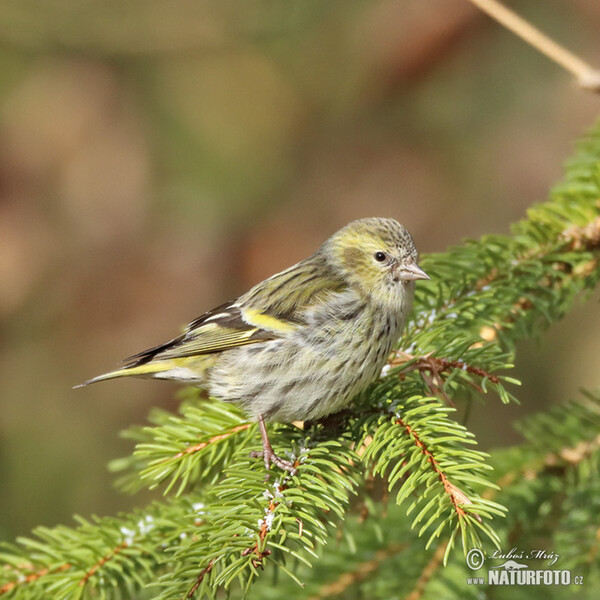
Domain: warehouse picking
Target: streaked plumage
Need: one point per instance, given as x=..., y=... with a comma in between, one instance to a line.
x=301, y=344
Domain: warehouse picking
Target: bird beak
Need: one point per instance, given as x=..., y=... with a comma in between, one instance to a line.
x=411, y=272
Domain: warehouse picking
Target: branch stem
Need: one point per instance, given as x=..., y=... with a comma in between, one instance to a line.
x=587, y=77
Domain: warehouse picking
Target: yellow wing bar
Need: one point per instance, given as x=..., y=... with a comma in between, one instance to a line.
x=220, y=329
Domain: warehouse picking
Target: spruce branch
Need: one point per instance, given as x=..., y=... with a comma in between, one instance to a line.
x=194, y=445
x=252, y=524
x=530, y=479
x=32, y=575
x=428, y=572
x=359, y=572
x=423, y=454
x=578, y=535
x=123, y=553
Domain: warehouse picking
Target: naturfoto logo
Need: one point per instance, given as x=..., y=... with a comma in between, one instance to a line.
x=514, y=572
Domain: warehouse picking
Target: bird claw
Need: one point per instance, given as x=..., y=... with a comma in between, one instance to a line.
x=267, y=453
x=270, y=457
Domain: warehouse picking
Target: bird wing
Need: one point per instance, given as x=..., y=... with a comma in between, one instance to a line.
x=271, y=310
x=290, y=294
x=222, y=328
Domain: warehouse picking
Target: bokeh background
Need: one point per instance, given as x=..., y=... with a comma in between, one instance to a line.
x=157, y=158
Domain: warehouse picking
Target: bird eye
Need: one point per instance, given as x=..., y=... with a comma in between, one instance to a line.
x=380, y=256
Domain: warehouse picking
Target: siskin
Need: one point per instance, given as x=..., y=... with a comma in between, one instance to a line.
x=301, y=344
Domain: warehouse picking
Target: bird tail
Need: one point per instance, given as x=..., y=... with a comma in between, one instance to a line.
x=147, y=370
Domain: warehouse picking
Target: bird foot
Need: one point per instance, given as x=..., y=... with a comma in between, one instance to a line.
x=270, y=457
x=267, y=453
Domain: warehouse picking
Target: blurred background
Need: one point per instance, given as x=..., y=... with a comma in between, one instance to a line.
x=158, y=158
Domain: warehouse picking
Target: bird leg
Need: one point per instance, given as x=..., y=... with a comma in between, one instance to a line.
x=268, y=454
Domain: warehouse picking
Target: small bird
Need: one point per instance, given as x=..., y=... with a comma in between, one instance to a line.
x=303, y=343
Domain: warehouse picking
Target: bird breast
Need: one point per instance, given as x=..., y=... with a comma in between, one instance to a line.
x=315, y=371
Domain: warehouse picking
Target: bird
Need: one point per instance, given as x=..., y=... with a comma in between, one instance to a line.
x=301, y=344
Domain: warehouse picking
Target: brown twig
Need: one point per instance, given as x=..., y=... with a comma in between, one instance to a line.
x=427, y=573
x=457, y=496
x=436, y=366
x=31, y=577
x=359, y=573
x=587, y=77
x=264, y=529
x=569, y=455
x=258, y=548
x=109, y=556
x=212, y=440
x=573, y=455
x=200, y=578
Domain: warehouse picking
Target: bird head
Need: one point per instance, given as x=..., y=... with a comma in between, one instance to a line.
x=376, y=256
